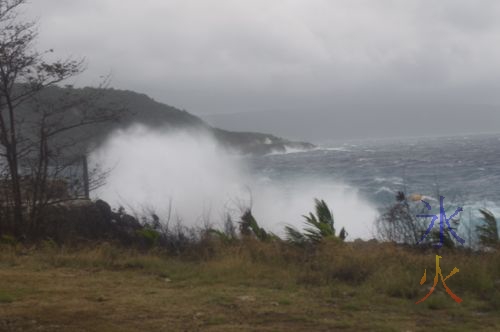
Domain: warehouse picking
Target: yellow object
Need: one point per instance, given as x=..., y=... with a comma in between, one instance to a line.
x=416, y=197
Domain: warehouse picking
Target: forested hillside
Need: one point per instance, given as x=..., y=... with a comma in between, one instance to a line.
x=135, y=108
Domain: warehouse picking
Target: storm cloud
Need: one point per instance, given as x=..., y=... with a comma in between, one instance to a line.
x=224, y=56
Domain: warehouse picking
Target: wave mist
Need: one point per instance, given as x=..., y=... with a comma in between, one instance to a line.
x=188, y=177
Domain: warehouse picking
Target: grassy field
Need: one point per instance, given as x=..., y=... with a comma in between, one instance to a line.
x=247, y=286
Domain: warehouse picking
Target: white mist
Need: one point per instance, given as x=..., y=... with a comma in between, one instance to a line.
x=192, y=179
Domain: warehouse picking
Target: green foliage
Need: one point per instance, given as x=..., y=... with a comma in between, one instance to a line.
x=447, y=239
x=223, y=237
x=8, y=240
x=343, y=234
x=249, y=226
x=150, y=236
x=488, y=231
x=6, y=298
x=49, y=244
x=295, y=236
x=321, y=225
x=318, y=227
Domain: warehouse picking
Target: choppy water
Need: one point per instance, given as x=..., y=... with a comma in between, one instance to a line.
x=358, y=178
x=464, y=169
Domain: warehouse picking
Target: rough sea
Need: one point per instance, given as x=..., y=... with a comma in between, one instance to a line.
x=463, y=169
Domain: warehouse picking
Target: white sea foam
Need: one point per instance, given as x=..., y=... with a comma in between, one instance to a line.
x=288, y=150
x=385, y=190
x=201, y=182
x=393, y=180
x=342, y=148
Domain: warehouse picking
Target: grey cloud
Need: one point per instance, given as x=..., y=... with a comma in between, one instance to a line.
x=230, y=56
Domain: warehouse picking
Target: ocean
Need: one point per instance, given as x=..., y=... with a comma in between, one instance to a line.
x=193, y=180
x=463, y=169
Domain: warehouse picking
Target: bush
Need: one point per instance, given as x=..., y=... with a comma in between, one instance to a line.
x=318, y=227
x=488, y=231
x=149, y=236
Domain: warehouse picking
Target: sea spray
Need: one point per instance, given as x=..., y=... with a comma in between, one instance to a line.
x=187, y=176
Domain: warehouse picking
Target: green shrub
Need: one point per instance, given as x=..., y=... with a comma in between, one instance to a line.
x=488, y=231
x=318, y=227
x=8, y=240
x=150, y=236
x=6, y=298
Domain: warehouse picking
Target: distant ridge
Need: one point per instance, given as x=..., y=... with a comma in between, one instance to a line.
x=140, y=109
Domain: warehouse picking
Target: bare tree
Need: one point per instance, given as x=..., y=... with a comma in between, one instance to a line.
x=402, y=222
x=39, y=132
x=399, y=222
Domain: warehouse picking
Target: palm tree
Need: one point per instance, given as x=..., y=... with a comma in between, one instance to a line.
x=488, y=232
x=318, y=226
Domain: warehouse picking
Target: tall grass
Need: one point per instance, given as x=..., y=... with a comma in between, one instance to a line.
x=374, y=268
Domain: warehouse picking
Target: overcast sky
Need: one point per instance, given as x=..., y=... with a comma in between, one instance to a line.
x=232, y=55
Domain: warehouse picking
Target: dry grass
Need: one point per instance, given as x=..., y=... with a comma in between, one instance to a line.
x=248, y=286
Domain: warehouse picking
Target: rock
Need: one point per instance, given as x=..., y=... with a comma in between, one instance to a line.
x=105, y=209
